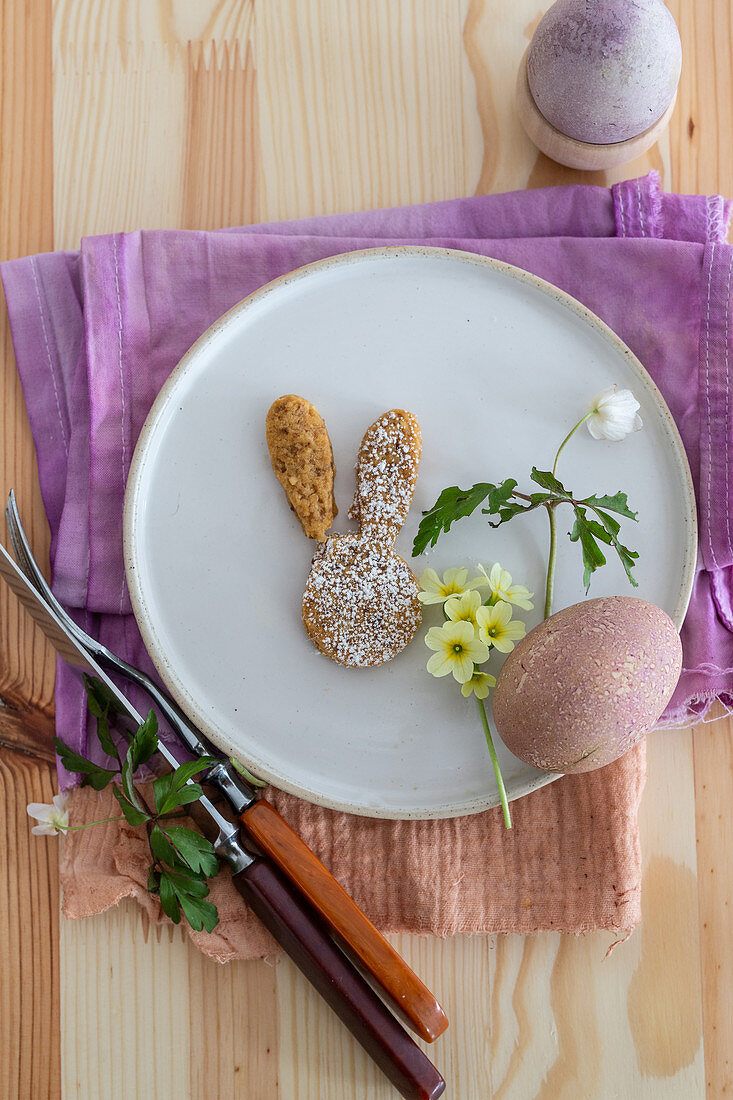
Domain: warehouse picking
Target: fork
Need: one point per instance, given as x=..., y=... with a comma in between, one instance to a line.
x=106, y=658
x=412, y=1000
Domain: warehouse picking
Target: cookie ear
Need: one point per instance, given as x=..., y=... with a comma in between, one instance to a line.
x=302, y=458
x=386, y=475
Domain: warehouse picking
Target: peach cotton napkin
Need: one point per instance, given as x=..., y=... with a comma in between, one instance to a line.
x=571, y=863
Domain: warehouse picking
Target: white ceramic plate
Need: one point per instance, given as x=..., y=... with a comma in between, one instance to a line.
x=496, y=365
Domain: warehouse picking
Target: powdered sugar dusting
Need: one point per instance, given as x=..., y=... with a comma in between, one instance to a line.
x=360, y=605
x=386, y=474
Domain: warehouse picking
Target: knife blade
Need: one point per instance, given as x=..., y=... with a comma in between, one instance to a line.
x=286, y=914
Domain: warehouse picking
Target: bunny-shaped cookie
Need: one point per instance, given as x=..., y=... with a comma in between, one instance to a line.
x=360, y=605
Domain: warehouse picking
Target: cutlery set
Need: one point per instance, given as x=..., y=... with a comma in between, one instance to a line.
x=303, y=906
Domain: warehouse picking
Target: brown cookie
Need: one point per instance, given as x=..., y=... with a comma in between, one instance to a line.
x=302, y=458
x=360, y=605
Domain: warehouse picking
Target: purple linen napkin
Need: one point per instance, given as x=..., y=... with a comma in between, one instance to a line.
x=97, y=332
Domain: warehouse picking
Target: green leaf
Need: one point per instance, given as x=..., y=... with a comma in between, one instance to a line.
x=134, y=813
x=100, y=699
x=547, y=480
x=195, y=850
x=627, y=557
x=599, y=532
x=190, y=893
x=93, y=775
x=102, y=704
x=128, y=786
x=105, y=737
x=611, y=526
x=593, y=557
x=628, y=560
x=169, y=899
x=161, y=789
x=514, y=508
x=142, y=747
x=452, y=504
x=588, y=532
x=186, y=771
x=617, y=503
x=500, y=495
x=190, y=793
x=153, y=881
x=162, y=848
x=507, y=512
x=199, y=914
x=174, y=789
x=93, y=706
x=186, y=882
x=145, y=742
x=168, y=797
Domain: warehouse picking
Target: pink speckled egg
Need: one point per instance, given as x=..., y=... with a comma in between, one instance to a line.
x=602, y=71
x=587, y=684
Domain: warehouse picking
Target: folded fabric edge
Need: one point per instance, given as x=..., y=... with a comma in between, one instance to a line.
x=642, y=208
x=82, y=898
x=32, y=330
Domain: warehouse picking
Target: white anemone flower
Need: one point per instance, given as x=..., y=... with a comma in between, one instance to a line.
x=53, y=818
x=613, y=415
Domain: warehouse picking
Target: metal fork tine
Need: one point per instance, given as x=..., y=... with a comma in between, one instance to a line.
x=18, y=536
x=32, y=571
x=13, y=522
x=27, y=562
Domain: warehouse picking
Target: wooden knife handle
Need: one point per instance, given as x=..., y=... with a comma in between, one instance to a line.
x=411, y=998
x=306, y=939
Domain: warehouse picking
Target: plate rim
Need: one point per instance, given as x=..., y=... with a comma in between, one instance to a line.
x=131, y=507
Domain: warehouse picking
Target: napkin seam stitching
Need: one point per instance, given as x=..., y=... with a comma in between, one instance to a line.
x=638, y=203
x=48, y=353
x=622, y=212
x=707, y=402
x=122, y=389
x=727, y=402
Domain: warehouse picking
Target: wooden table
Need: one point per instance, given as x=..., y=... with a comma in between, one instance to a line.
x=119, y=114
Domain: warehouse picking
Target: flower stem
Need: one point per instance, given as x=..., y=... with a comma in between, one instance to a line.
x=567, y=439
x=549, y=586
x=88, y=824
x=552, y=554
x=495, y=762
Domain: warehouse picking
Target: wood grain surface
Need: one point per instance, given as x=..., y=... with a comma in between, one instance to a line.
x=120, y=114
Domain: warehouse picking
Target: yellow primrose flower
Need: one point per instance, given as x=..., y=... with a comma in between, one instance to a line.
x=495, y=627
x=479, y=684
x=454, y=583
x=462, y=609
x=500, y=583
x=457, y=649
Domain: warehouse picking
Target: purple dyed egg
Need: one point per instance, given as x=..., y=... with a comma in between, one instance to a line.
x=602, y=71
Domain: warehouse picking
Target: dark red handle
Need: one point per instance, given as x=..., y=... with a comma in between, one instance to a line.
x=305, y=938
x=410, y=997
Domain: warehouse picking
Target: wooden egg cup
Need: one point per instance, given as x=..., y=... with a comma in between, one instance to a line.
x=570, y=151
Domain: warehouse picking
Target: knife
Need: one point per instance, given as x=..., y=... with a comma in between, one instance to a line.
x=407, y=994
x=285, y=913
